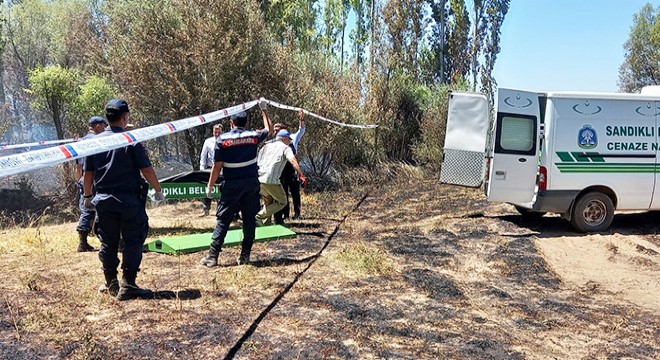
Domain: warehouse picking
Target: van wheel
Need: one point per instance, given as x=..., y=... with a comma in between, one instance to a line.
x=592, y=212
x=529, y=214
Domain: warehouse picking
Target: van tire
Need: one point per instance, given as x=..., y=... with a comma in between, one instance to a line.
x=529, y=214
x=592, y=212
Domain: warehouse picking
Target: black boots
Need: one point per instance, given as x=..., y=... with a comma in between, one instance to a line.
x=129, y=290
x=111, y=285
x=244, y=258
x=210, y=260
x=83, y=246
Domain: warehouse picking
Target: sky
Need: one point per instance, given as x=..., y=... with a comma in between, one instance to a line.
x=555, y=45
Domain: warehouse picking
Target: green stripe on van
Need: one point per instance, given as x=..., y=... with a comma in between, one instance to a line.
x=565, y=156
x=610, y=171
x=572, y=167
x=579, y=158
x=594, y=157
x=582, y=157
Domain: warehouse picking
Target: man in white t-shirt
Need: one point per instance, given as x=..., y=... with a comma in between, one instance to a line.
x=289, y=179
x=206, y=160
x=272, y=159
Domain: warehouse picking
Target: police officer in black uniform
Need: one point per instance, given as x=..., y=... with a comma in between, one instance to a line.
x=236, y=152
x=97, y=124
x=120, y=200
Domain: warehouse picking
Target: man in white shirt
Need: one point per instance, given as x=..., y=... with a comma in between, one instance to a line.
x=272, y=159
x=289, y=179
x=206, y=160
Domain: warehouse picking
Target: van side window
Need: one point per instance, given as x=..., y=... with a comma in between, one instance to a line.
x=516, y=134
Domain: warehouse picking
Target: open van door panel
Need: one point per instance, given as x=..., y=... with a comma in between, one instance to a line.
x=514, y=166
x=464, y=153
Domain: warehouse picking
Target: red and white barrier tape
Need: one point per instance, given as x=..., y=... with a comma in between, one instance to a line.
x=36, y=143
x=37, y=159
x=292, y=108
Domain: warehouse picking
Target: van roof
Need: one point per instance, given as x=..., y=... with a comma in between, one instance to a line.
x=600, y=95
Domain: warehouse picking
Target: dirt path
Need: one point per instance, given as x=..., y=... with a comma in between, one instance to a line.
x=625, y=266
x=418, y=271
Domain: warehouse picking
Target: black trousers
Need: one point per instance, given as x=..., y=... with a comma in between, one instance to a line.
x=237, y=195
x=117, y=222
x=290, y=185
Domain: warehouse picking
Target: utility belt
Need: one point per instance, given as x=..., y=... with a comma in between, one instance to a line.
x=141, y=191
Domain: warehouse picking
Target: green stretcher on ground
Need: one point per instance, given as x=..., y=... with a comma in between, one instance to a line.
x=199, y=242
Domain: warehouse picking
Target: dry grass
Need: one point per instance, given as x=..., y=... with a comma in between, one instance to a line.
x=364, y=259
x=418, y=271
x=41, y=239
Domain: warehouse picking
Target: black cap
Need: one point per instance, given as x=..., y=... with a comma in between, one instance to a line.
x=240, y=119
x=241, y=114
x=116, y=107
x=97, y=120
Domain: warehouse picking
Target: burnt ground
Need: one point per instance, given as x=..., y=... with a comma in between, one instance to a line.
x=403, y=271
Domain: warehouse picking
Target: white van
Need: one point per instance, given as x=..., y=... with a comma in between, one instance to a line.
x=581, y=154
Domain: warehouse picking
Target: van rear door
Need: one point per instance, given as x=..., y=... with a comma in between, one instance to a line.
x=464, y=153
x=514, y=166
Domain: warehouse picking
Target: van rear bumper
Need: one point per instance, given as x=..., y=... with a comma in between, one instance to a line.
x=557, y=201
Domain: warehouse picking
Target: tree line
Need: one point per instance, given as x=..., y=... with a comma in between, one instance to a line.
x=385, y=62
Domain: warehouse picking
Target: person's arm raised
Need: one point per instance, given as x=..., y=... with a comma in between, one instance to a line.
x=263, y=105
x=301, y=119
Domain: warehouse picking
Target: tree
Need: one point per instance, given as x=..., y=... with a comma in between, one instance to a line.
x=641, y=66
x=293, y=22
x=332, y=21
x=54, y=89
x=360, y=33
x=346, y=8
x=457, y=43
x=91, y=98
x=487, y=19
x=36, y=36
x=3, y=44
x=457, y=32
x=404, y=23
x=169, y=67
x=435, y=55
x=494, y=15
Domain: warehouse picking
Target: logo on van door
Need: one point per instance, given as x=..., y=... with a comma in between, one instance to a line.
x=587, y=137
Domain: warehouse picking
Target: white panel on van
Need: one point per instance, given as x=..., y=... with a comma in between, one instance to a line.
x=465, y=140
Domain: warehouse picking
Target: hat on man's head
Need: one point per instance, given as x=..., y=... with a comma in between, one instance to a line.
x=116, y=107
x=239, y=115
x=240, y=119
x=283, y=134
x=97, y=120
